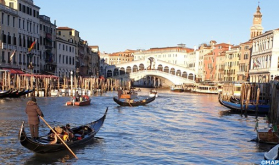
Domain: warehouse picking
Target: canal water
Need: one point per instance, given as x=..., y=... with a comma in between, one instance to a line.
x=177, y=128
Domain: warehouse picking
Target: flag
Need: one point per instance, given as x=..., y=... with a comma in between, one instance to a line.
x=12, y=55
x=255, y=64
x=32, y=46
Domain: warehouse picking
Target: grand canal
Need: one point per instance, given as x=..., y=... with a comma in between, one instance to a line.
x=177, y=128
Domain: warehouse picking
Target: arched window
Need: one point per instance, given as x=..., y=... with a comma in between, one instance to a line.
x=135, y=68
x=166, y=69
x=128, y=70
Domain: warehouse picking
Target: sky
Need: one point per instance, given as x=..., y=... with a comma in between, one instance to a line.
x=118, y=25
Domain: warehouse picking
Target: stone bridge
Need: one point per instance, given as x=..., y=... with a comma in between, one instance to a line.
x=139, y=69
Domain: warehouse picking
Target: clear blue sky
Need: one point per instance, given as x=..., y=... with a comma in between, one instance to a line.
x=117, y=25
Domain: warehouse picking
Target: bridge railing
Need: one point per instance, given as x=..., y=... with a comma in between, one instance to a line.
x=173, y=78
x=155, y=72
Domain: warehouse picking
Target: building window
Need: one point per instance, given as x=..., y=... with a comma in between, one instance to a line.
x=13, y=21
x=2, y=18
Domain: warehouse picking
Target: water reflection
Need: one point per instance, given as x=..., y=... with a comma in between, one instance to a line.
x=177, y=128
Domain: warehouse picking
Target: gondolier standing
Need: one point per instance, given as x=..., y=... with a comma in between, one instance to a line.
x=33, y=111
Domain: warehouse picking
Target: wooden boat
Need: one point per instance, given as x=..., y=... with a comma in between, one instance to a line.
x=267, y=136
x=272, y=154
x=153, y=93
x=82, y=135
x=85, y=101
x=262, y=108
x=133, y=103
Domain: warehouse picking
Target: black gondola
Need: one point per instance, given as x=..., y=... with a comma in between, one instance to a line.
x=134, y=103
x=82, y=135
x=13, y=93
x=4, y=94
x=27, y=91
x=17, y=93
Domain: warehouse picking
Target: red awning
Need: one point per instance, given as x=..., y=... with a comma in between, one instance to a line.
x=40, y=76
x=14, y=70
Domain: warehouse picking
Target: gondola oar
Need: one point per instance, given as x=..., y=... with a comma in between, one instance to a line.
x=59, y=137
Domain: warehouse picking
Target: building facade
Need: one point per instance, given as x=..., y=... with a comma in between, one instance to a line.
x=264, y=59
x=48, y=53
x=65, y=58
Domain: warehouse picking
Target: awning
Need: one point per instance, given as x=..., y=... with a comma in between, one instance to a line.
x=14, y=70
x=40, y=76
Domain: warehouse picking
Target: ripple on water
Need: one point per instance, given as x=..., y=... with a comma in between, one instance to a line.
x=177, y=128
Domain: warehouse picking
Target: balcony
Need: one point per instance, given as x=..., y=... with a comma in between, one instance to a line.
x=241, y=73
x=259, y=70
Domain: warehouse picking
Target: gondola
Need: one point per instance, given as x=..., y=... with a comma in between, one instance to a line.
x=27, y=91
x=134, y=103
x=17, y=93
x=4, y=94
x=13, y=93
x=262, y=108
x=82, y=135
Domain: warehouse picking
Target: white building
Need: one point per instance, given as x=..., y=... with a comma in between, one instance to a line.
x=177, y=55
x=65, y=57
x=265, y=57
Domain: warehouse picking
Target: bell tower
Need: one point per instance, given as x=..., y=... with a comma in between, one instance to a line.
x=256, y=28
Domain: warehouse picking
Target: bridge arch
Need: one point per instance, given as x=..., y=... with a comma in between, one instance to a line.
x=128, y=70
x=115, y=72
x=160, y=67
x=141, y=67
x=122, y=71
x=166, y=69
x=132, y=67
x=135, y=68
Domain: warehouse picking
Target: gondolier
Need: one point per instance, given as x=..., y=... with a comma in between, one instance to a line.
x=33, y=111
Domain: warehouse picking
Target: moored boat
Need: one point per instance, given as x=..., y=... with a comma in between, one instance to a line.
x=267, y=136
x=82, y=135
x=4, y=94
x=251, y=108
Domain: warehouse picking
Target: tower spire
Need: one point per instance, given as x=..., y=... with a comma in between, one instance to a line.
x=257, y=28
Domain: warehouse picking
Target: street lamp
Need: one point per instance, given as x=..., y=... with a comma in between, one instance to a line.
x=77, y=74
x=72, y=82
